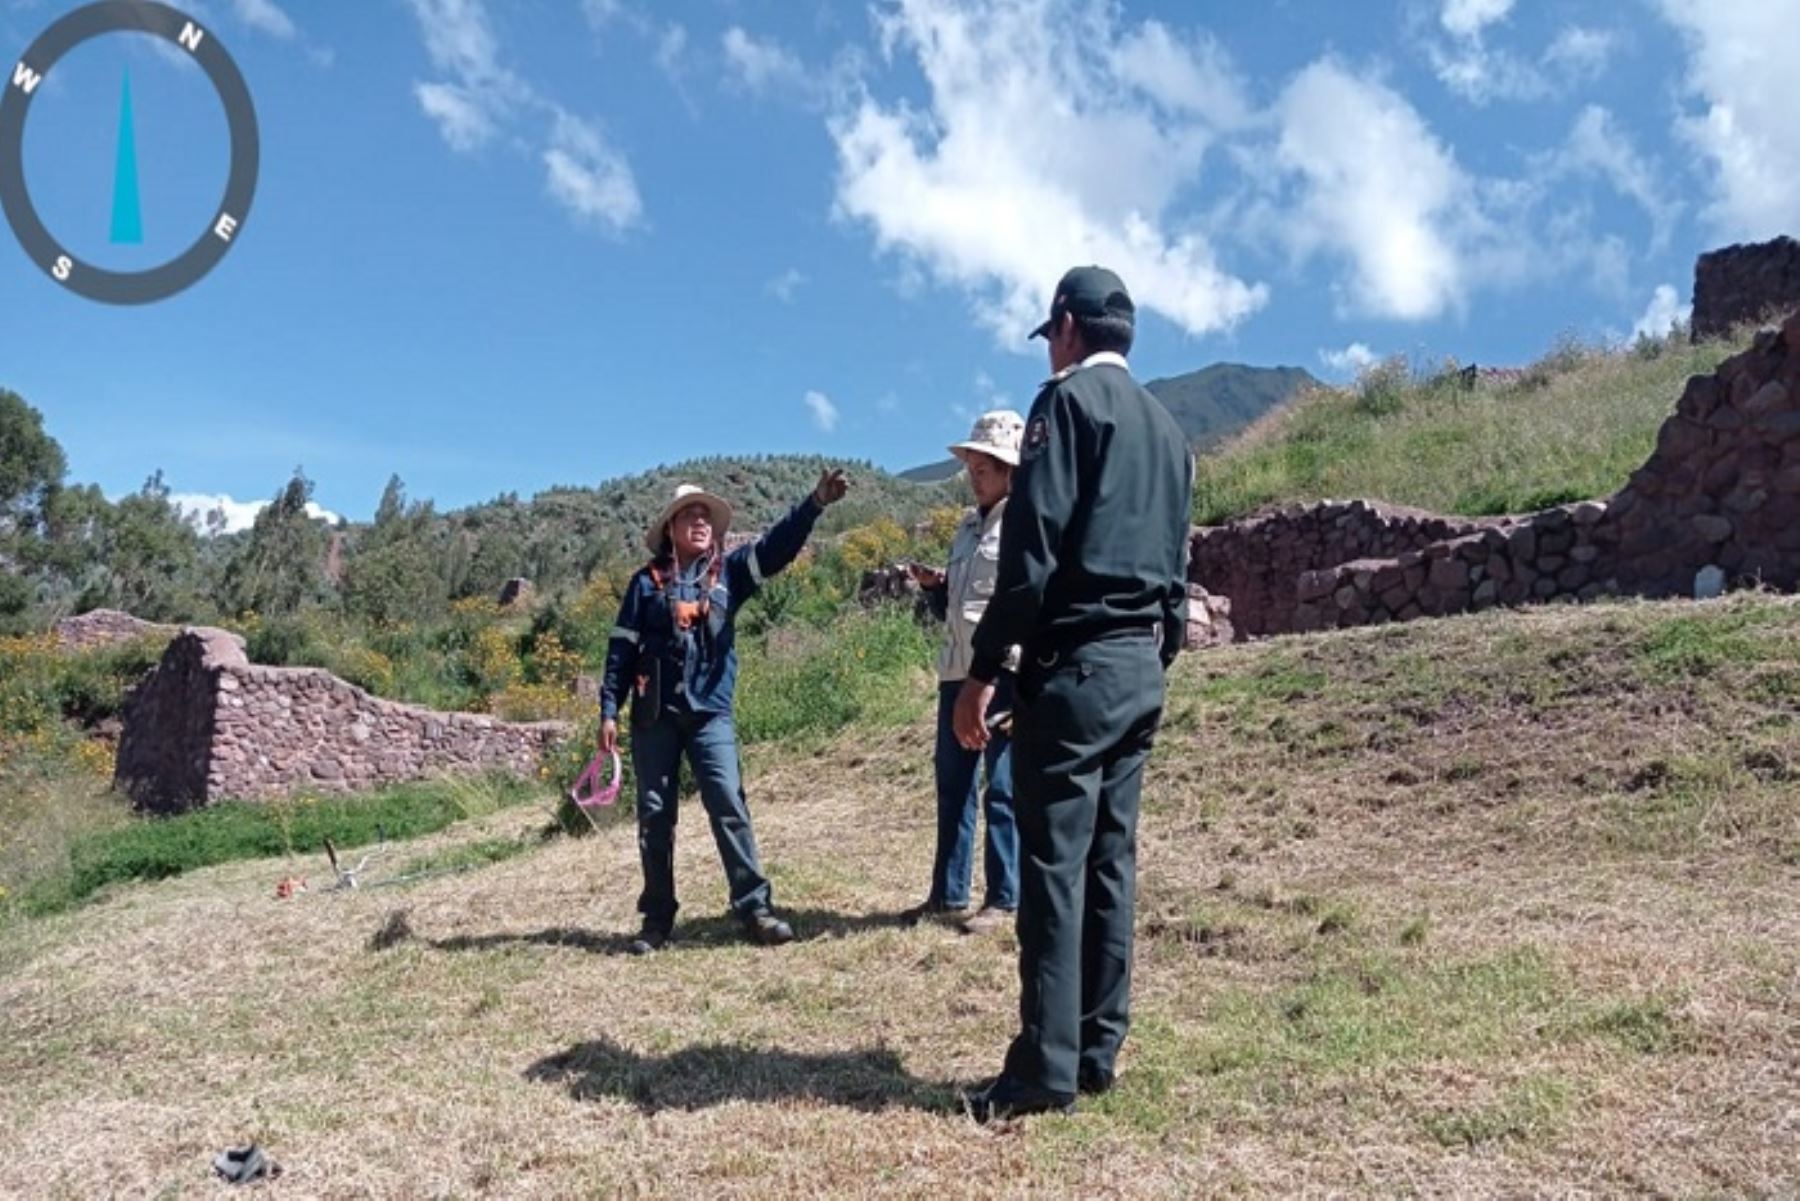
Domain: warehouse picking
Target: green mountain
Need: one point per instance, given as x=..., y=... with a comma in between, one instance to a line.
x=1210, y=404
x=560, y=535
x=1216, y=402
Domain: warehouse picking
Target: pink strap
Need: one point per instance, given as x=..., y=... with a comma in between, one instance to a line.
x=588, y=793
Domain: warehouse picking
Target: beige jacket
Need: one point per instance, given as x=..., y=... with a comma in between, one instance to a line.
x=969, y=585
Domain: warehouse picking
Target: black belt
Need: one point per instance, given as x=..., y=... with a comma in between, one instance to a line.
x=1046, y=652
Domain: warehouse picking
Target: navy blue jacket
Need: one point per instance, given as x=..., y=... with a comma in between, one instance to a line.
x=699, y=666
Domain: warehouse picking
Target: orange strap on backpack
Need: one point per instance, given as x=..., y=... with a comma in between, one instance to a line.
x=686, y=614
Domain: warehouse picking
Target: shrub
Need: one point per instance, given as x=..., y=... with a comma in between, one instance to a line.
x=814, y=682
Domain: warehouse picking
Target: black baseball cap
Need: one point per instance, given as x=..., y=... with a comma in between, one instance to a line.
x=1089, y=292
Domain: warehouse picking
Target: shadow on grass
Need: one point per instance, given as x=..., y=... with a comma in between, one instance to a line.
x=715, y=1073
x=699, y=933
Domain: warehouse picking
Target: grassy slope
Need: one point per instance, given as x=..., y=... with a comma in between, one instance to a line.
x=1499, y=905
x=1574, y=427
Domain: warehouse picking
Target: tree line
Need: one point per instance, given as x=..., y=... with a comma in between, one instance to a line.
x=66, y=548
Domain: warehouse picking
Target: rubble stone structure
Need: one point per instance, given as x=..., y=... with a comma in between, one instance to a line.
x=1743, y=284
x=207, y=725
x=1257, y=562
x=1719, y=497
x=107, y=627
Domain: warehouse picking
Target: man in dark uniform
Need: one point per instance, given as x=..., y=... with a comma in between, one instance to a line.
x=1093, y=585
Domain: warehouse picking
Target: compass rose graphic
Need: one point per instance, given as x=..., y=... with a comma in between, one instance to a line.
x=220, y=228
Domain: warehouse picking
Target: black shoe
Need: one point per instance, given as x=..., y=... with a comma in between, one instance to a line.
x=918, y=913
x=1093, y=1082
x=765, y=928
x=1004, y=1098
x=653, y=937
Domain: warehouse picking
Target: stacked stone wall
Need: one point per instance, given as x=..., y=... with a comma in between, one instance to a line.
x=1743, y=284
x=1256, y=563
x=107, y=627
x=1559, y=553
x=207, y=725
x=1720, y=496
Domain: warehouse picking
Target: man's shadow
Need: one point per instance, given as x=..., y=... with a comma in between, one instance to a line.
x=715, y=1073
x=697, y=933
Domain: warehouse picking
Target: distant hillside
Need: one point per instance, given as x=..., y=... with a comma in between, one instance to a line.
x=1210, y=404
x=562, y=534
x=1216, y=402
x=1572, y=426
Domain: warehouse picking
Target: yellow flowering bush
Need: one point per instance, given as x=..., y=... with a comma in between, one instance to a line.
x=366, y=668
x=94, y=757
x=553, y=663
x=598, y=602
x=492, y=660
x=475, y=608
x=875, y=545
x=538, y=702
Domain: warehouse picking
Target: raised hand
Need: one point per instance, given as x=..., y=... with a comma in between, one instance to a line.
x=833, y=483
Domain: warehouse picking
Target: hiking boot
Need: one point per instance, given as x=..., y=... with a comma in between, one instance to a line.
x=918, y=913
x=988, y=919
x=653, y=937
x=1004, y=1098
x=1093, y=1082
x=765, y=928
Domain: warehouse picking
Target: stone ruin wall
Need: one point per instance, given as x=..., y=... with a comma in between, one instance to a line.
x=1721, y=491
x=1743, y=284
x=206, y=725
x=1256, y=562
x=107, y=627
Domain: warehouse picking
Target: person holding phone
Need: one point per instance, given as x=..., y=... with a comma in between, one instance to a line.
x=673, y=652
x=959, y=594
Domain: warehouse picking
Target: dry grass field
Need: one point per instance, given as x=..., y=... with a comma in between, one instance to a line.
x=1494, y=906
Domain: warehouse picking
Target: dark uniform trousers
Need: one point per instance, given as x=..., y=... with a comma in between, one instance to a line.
x=1084, y=723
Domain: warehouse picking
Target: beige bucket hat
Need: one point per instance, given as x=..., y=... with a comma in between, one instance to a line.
x=688, y=494
x=997, y=435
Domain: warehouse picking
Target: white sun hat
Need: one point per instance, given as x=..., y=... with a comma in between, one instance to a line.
x=717, y=508
x=997, y=435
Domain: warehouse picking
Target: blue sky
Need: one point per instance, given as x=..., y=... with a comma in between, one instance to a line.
x=501, y=245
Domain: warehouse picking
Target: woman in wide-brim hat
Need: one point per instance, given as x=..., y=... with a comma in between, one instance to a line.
x=673, y=653
x=960, y=595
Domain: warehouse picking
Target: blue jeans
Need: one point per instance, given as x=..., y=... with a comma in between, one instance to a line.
x=710, y=741
x=957, y=768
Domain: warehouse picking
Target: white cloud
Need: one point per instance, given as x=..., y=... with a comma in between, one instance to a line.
x=590, y=178
x=1467, y=18
x=239, y=514
x=1354, y=141
x=601, y=13
x=671, y=50
x=1663, y=314
x=1197, y=79
x=461, y=43
x=1479, y=74
x=1351, y=360
x=265, y=15
x=783, y=286
x=1472, y=68
x=1582, y=52
x=824, y=413
x=761, y=63
x=461, y=116
x=1037, y=150
x=483, y=97
x=1737, y=68
x=1597, y=145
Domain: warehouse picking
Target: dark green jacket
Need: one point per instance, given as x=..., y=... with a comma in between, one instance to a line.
x=1094, y=542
